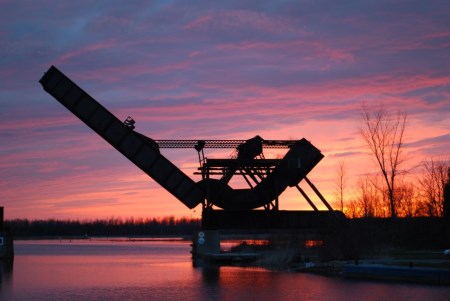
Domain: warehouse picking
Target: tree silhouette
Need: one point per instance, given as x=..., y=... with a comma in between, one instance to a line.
x=341, y=183
x=432, y=184
x=383, y=132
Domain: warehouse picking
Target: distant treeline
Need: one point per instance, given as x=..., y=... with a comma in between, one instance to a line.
x=131, y=227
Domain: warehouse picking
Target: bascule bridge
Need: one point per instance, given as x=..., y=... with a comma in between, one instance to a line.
x=255, y=206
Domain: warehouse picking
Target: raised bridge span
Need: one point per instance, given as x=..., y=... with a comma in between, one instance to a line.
x=270, y=178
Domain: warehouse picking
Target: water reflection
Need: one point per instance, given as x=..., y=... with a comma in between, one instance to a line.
x=210, y=274
x=236, y=283
x=6, y=270
x=250, y=283
x=163, y=271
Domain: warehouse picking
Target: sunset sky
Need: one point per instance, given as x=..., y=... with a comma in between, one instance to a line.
x=210, y=70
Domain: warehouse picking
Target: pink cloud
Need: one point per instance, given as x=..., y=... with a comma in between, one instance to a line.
x=241, y=19
x=101, y=45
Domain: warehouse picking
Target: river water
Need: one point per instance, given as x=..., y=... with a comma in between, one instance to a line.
x=162, y=270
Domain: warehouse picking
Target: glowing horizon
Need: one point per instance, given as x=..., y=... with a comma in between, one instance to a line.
x=281, y=70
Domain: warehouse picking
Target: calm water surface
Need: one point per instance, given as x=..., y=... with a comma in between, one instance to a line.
x=162, y=270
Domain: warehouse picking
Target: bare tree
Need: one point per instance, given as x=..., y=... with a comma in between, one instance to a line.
x=341, y=182
x=432, y=182
x=406, y=199
x=369, y=197
x=383, y=132
x=352, y=209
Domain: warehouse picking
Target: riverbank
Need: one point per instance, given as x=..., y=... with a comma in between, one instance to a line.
x=407, y=266
x=379, y=270
x=421, y=267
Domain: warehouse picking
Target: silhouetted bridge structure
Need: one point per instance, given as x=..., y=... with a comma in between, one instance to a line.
x=223, y=207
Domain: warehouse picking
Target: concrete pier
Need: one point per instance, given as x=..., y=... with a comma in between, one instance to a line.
x=6, y=240
x=206, y=249
x=205, y=244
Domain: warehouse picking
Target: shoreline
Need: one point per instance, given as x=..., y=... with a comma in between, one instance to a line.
x=431, y=267
x=371, y=271
x=108, y=238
